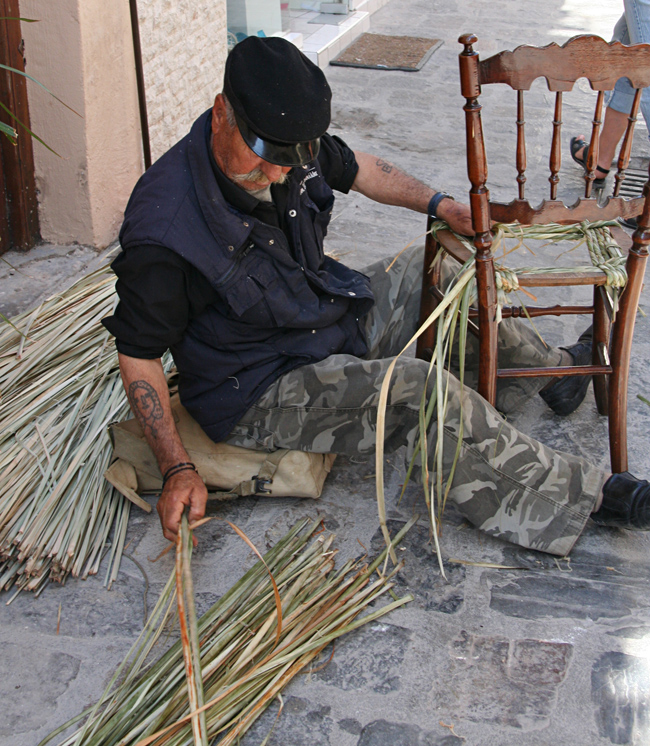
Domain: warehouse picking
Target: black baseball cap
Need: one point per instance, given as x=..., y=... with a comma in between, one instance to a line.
x=281, y=100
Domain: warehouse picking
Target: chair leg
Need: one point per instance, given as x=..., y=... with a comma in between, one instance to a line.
x=601, y=332
x=430, y=278
x=621, y=350
x=488, y=328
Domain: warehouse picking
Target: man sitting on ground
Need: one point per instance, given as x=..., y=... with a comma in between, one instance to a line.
x=280, y=346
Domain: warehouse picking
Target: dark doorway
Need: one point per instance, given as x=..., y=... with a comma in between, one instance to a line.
x=18, y=205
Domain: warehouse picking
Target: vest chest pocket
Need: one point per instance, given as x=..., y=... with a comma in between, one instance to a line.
x=264, y=297
x=247, y=298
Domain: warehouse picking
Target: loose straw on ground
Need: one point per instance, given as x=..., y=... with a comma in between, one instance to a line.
x=241, y=653
x=59, y=390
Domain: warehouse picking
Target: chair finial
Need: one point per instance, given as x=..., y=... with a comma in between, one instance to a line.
x=467, y=40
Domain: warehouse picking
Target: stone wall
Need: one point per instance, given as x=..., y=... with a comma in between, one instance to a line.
x=184, y=51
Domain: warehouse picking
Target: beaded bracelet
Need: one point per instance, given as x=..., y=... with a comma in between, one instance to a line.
x=182, y=466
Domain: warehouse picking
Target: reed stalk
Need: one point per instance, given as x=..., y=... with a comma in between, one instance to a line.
x=451, y=317
x=59, y=390
x=231, y=655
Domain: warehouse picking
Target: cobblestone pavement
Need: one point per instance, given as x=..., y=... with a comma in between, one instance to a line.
x=556, y=652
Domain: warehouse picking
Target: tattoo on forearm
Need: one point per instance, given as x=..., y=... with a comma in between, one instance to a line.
x=146, y=405
x=385, y=166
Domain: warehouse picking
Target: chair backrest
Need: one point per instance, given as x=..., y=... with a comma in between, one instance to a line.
x=590, y=57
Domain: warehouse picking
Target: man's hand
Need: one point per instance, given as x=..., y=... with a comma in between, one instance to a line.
x=185, y=488
x=457, y=215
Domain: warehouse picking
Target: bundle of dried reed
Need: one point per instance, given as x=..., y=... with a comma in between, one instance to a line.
x=59, y=389
x=241, y=653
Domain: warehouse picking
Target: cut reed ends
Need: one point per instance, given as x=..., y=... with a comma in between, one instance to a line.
x=59, y=390
x=241, y=653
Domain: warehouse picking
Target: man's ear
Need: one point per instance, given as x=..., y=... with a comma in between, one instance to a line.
x=218, y=112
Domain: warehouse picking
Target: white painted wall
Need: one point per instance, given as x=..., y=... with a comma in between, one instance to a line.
x=82, y=51
x=251, y=16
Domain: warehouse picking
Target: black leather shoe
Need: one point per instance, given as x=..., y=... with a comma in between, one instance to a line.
x=629, y=223
x=567, y=393
x=626, y=503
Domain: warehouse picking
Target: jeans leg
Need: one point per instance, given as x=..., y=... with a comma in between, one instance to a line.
x=637, y=16
x=632, y=28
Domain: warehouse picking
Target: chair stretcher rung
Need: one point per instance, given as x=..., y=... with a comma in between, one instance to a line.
x=560, y=279
x=576, y=370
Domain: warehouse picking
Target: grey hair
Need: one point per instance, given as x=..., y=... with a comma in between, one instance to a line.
x=230, y=112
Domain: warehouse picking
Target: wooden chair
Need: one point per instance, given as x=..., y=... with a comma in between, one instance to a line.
x=602, y=64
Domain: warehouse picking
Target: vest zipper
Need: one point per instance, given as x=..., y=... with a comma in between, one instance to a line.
x=241, y=254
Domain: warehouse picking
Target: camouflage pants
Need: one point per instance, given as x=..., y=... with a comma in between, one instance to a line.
x=506, y=483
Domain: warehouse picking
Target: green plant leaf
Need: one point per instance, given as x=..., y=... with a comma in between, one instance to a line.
x=38, y=82
x=25, y=127
x=9, y=131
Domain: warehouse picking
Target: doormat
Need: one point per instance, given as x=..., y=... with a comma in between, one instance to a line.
x=380, y=52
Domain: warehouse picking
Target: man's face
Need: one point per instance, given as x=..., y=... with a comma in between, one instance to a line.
x=236, y=159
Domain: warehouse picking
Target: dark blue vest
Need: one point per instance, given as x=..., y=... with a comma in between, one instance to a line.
x=281, y=302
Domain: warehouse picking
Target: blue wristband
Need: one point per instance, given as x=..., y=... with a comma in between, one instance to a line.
x=437, y=198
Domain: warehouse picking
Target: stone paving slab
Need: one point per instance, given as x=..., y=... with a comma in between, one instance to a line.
x=26, y=278
x=553, y=652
